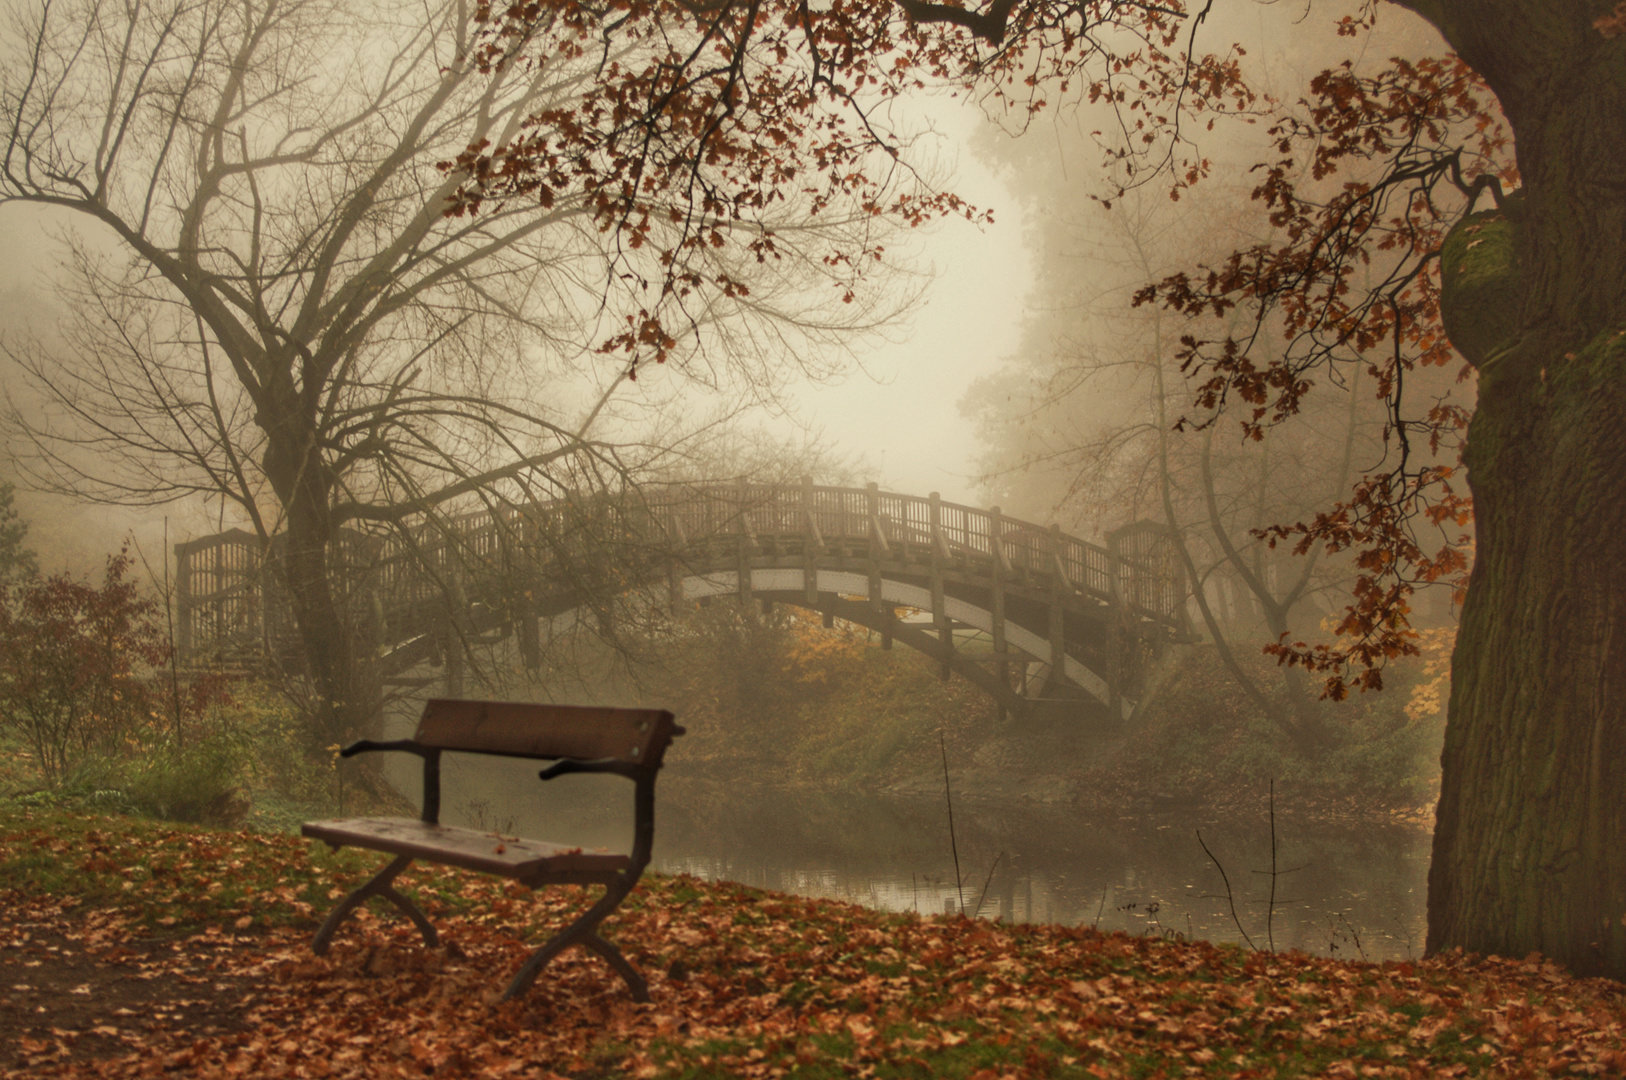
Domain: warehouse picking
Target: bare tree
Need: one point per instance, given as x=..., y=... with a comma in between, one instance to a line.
x=292, y=321
x=1096, y=397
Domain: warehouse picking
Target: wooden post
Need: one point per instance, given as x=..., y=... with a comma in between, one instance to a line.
x=676, y=543
x=530, y=639
x=743, y=549
x=996, y=544
x=183, y=599
x=877, y=547
x=1115, y=624
x=945, y=633
x=812, y=545
x=1058, y=586
x=217, y=587
x=457, y=621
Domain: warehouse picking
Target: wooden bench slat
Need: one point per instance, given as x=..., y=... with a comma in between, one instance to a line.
x=467, y=848
x=518, y=729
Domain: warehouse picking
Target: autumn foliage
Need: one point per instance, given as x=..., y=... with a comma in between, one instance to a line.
x=1373, y=172
x=75, y=662
x=85, y=676
x=744, y=983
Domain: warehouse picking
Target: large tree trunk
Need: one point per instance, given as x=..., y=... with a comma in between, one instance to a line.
x=346, y=700
x=1530, y=845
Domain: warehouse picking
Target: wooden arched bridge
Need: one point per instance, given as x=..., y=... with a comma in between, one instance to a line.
x=1027, y=613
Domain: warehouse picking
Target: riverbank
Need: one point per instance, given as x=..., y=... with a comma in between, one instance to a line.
x=1195, y=747
x=136, y=949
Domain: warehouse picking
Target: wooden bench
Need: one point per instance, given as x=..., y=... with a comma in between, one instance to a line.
x=577, y=739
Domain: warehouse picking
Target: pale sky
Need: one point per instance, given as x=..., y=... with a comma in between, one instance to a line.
x=902, y=418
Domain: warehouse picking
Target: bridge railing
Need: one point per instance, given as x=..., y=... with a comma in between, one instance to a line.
x=225, y=592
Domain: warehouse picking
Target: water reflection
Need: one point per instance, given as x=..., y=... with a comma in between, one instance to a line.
x=1334, y=886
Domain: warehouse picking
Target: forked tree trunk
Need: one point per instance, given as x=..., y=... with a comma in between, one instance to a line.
x=1530, y=845
x=347, y=702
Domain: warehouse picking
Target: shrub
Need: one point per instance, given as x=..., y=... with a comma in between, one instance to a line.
x=74, y=666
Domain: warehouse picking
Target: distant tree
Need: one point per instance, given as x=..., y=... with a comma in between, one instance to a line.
x=1079, y=422
x=16, y=560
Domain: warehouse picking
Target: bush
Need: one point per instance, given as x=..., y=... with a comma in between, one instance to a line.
x=75, y=666
x=198, y=782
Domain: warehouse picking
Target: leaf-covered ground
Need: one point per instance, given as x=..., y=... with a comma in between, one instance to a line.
x=136, y=949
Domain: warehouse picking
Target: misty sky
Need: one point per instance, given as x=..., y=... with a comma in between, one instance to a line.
x=901, y=415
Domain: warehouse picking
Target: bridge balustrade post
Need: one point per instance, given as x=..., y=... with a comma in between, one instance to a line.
x=812, y=545
x=945, y=633
x=1059, y=585
x=996, y=608
x=877, y=545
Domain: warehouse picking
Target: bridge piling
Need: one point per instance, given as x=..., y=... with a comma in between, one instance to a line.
x=1059, y=587
x=812, y=550
x=1001, y=569
x=940, y=554
x=878, y=549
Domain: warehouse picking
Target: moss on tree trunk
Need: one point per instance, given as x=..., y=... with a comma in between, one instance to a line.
x=1530, y=847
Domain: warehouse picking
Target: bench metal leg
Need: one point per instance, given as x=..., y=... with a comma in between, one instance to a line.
x=635, y=982
x=583, y=932
x=378, y=886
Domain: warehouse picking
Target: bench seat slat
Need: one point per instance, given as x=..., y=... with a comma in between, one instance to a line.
x=468, y=848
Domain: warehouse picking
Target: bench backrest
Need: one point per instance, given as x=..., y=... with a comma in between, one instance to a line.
x=514, y=729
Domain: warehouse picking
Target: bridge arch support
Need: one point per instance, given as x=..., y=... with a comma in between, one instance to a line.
x=847, y=595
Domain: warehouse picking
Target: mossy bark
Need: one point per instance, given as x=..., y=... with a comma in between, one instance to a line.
x=1530, y=845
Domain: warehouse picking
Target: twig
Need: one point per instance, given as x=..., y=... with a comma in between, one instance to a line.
x=1096, y=925
x=954, y=847
x=985, y=883
x=1229, y=898
x=1356, y=936
x=1270, y=912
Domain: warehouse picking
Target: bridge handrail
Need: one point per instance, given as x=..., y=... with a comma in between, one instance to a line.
x=419, y=564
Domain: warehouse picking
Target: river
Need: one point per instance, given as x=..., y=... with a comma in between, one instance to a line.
x=1339, y=891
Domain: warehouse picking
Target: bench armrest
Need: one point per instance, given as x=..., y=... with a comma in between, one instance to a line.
x=431, y=768
x=643, y=812
x=363, y=746
x=564, y=766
